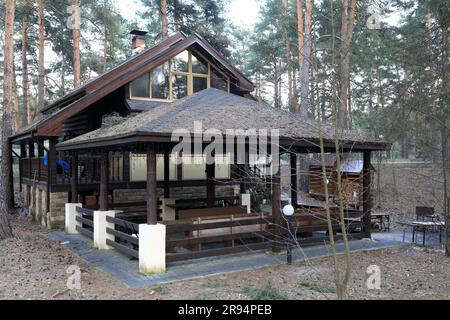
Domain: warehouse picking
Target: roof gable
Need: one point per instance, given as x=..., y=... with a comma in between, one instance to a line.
x=134, y=67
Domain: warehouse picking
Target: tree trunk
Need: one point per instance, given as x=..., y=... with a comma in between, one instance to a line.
x=15, y=115
x=165, y=31
x=300, y=31
x=41, y=46
x=288, y=54
x=27, y=116
x=344, y=83
x=304, y=108
x=105, y=38
x=76, y=44
x=5, y=180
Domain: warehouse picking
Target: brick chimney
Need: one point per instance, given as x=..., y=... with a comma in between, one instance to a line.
x=137, y=41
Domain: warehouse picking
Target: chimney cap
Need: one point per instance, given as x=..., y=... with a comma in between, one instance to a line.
x=139, y=33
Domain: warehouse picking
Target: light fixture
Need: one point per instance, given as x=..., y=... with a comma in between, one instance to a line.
x=288, y=210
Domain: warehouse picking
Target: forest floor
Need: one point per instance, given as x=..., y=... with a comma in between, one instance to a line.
x=34, y=267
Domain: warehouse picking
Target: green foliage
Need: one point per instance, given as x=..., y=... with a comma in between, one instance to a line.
x=316, y=288
x=267, y=292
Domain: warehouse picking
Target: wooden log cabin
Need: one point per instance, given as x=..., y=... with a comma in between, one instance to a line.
x=108, y=146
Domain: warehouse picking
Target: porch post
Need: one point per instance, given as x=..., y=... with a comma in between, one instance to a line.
x=210, y=185
x=152, y=236
x=74, y=178
x=166, y=172
x=11, y=203
x=276, y=203
x=152, y=216
x=294, y=188
x=367, y=194
x=104, y=182
x=51, y=169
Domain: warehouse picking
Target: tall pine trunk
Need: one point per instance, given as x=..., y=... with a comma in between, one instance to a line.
x=165, y=30
x=6, y=163
x=304, y=108
x=288, y=54
x=41, y=49
x=76, y=44
x=300, y=31
x=344, y=82
x=27, y=116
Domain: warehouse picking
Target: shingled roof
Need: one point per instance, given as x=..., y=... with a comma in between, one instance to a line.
x=216, y=109
x=76, y=101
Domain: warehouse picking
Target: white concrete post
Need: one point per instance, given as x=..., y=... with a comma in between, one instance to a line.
x=71, y=221
x=168, y=213
x=246, y=202
x=100, y=225
x=152, y=249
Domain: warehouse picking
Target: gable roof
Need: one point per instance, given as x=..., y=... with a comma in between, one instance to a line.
x=219, y=110
x=132, y=68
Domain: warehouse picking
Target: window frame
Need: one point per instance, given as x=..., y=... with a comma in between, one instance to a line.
x=190, y=78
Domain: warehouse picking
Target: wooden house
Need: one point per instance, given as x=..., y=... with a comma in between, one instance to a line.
x=114, y=181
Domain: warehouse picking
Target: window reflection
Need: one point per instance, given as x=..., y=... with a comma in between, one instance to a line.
x=181, y=62
x=179, y=86
x=140, y=87
x=160, y=82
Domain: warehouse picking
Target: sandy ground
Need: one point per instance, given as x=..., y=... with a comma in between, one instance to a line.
x=34, y=267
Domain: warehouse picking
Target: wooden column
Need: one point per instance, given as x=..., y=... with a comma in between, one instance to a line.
x=11, y=203
x=367, y=194
x=30, y=156
x=152, y=198
x=210, y=185
x=74, y=178
x=51, y=169
x=40, y=155
x=166, y=171
x=126, y=166
x=23, y=155
x=276, y=209
x=104, y=182
x=294, y=186
x=244, y=170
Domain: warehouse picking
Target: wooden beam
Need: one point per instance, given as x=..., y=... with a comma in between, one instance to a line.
x=166, y=171
x=210, y=184
x=294, y=197
x=276, y=209
x=11, y=175
x=152, y=200
x=104, y=182
x=51, y=169
x=367, y=194
x=126, y=166
x=74, y=178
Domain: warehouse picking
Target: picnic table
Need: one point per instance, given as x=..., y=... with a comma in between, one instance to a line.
x=423, y=226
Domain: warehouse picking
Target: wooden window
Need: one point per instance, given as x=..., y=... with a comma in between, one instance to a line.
x=187, y=73
x=160, y=82
x=140, y=88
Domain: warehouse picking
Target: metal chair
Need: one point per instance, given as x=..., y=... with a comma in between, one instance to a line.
x=426, y=214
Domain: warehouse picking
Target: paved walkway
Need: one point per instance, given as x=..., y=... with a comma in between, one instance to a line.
x=125, y=270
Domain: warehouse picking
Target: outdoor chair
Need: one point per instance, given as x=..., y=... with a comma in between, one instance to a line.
x=426, y=214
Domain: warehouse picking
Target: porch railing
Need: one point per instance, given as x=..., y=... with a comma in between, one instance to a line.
x=126, y=236
x=85, y=217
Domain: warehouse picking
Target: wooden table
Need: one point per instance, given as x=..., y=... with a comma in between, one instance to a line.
x=423, y=226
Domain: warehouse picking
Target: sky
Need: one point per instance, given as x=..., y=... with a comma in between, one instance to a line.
x=240, y=12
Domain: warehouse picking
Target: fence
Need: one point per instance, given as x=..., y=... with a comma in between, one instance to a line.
x=85, y=217
x=126, y=236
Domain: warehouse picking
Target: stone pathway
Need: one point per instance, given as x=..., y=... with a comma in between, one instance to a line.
x=126, y=270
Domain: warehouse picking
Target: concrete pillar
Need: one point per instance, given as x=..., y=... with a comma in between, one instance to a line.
x=70, y=221
x=168, y=213
x=246, y=201
x=152, y=248
x=39, y=211
x=100, y=225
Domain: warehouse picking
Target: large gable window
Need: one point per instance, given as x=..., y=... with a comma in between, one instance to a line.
x=187, y=73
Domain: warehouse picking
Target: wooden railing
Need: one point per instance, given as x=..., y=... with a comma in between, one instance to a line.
x=238, y=233
x=126, y=236
x=85, y=217
x=34, y=169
